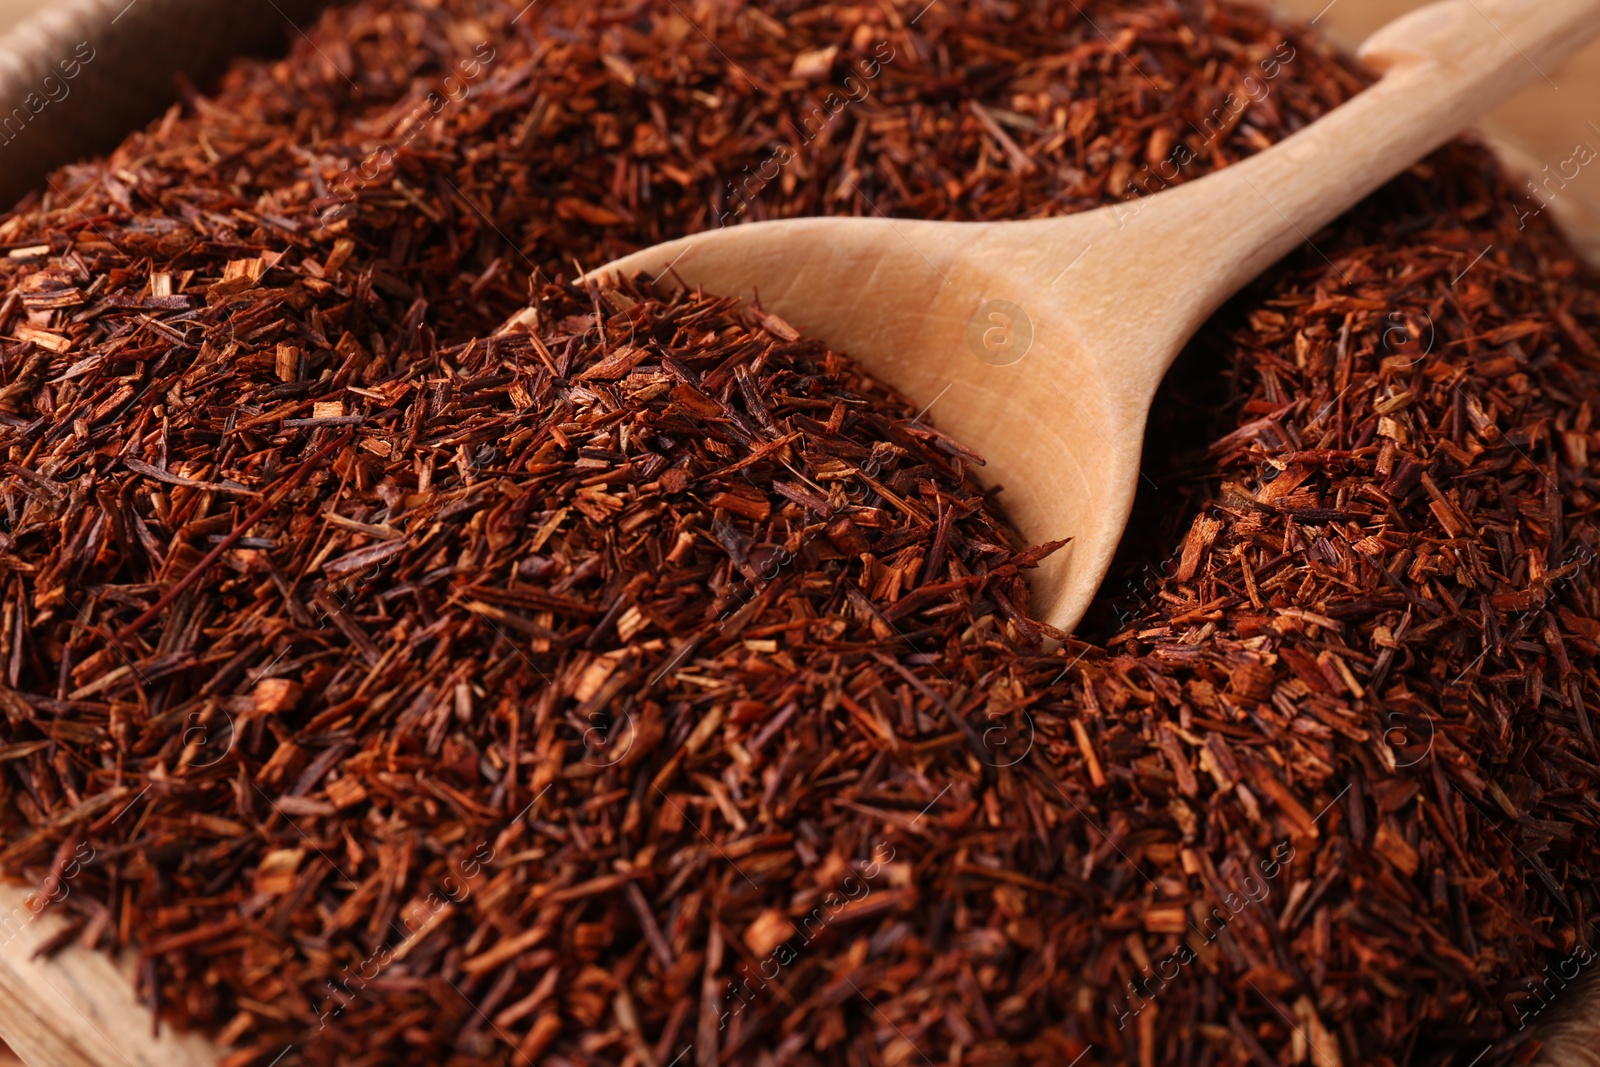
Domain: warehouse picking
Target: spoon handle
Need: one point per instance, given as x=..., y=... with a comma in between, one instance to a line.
x=1444, y=66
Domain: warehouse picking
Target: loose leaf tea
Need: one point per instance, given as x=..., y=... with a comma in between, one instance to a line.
x=417, y=658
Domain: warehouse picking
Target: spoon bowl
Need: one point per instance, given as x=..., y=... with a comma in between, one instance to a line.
x=1040, y=343
x=956, y=317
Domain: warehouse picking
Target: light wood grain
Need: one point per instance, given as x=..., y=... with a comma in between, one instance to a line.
x=1537, y=128
x=14, y=11
x=77, y=1009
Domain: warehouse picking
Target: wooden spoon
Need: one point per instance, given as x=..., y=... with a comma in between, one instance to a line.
x=1041, y=343
x=1096, y=307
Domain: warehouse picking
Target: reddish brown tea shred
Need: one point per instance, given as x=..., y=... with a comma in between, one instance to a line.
x=441, y=663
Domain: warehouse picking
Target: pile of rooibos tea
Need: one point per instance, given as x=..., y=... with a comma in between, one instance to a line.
x=416, y=657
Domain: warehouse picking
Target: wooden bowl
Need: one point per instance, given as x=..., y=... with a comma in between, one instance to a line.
x=77, y=1008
